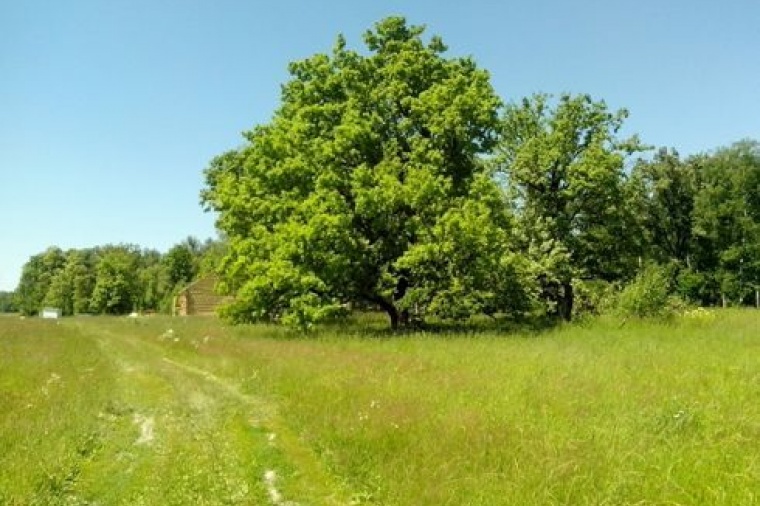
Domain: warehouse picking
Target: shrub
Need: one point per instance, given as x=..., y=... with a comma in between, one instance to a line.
x=696, y=287
x=593, y=297
x=649, y=295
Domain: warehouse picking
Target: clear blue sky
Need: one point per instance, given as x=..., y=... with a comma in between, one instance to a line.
x=111, y=109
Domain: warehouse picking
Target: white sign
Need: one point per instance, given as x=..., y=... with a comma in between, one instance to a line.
x=50, y=313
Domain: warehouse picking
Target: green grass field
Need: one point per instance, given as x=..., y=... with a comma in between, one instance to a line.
x=161, y=411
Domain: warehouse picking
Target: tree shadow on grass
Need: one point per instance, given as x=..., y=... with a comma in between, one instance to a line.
x=376, y=326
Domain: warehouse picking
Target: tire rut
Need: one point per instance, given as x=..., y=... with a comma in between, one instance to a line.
x=143, y=361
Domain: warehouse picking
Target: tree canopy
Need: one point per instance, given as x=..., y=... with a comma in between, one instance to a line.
x=563, y=165
x=395, y=177
x=369, y=185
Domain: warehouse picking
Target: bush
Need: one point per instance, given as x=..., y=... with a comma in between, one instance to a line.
x=593, y=297
x=696, y=287
x=649, y=295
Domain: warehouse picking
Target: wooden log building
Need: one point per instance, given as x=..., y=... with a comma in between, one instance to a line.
x=199, y=298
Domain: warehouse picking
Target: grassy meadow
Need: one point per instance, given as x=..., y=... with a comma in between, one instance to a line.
x=187, y=411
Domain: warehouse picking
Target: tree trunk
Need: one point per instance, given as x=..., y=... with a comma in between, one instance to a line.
x=390, y=309
x=566, y=301
x=394, y=317
x=757, y=298
x=402, y=317
x=405, y=318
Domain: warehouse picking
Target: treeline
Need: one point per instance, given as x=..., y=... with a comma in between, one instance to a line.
x=395, y=176
x=112, y=279
x=700, y=219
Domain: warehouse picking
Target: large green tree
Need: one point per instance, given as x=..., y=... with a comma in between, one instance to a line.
x=358, y=188
x=563, y=164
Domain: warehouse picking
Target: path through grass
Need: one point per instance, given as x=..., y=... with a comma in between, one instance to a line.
x=94, y=411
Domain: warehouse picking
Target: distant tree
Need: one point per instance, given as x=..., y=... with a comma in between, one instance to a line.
x=359, y=186
x=107, y=279
x=30, y=291
x=36, y=278
x=154, y=286
x=194, y=245
x=213, y=252
x=82, y=264
x=563, y=166
x=71, y=287
x=180, y=263
x=116, y=283
x=668, y=188
x=727, y=221
x=7, y=302
x=60, y=294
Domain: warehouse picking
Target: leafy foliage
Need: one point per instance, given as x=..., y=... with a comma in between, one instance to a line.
x=594, y=297
x=701, y=215
x=37, y=276
x=668, y=187
x=648, y=295
x=180, y=264
x=112, y=279
x=727, y=220
x=365, y=176
x=7, y=302
x=115, y=290
x=562, y=164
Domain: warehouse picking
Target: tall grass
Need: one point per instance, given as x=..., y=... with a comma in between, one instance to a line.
x=90, y=415
x=600, y=413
